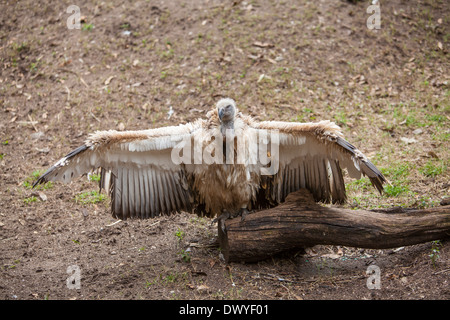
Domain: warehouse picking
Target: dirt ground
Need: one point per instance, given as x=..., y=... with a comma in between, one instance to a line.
x=284, y=60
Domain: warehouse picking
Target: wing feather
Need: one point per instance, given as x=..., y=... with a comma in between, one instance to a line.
x=137, y=193
x=155, y=200
x=170, y=193
x=339, y=195
x=147, y=194
x=159, y=186
x=320, y=153
x=124, y=179
x=138, y=167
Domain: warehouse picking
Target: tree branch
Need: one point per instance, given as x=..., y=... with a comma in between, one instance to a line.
x=300, y=222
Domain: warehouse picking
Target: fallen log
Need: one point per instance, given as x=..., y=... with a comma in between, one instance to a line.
x=300, y=222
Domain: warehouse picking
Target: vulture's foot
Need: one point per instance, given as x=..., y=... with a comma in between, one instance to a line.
x=221, y=220
x=243, y=212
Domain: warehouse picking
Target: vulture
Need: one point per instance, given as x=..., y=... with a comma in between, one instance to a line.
x=219, y=167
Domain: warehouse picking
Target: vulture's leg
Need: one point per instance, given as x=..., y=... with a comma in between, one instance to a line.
x=221, y=220
x=243, y=212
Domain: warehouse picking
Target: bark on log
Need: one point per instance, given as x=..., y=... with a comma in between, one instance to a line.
x=300, y=222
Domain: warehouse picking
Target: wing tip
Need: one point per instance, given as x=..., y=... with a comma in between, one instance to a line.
x=44, y=177
x=40, y=180
x=376, y=178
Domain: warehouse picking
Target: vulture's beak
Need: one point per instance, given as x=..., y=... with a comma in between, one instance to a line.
x=221, y=114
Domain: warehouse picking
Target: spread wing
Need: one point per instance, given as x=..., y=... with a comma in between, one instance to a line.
x=136, y=169
x=312, y=156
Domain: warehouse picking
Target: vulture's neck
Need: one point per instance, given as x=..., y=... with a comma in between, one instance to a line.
x=226, y=125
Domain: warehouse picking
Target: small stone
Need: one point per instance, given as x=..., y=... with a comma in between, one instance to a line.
x=37, y=136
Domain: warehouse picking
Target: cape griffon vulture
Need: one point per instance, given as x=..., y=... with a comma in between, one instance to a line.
x=223, y=165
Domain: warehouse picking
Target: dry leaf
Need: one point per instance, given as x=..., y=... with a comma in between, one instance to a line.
x=432, y=154
x=408, y=140
x=202, y=288
x=253, y=57
x=262, y=44
x=331, y=256
x=261, y=78
x=107, y=81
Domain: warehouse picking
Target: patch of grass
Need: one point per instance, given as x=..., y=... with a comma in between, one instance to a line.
x=33, y=67
x=30, y=200
x=179, y=234
x=28, y=183
x=150, y=283
x=361, y=184
x=433, y=168
x=20, y=47
x=174, y=277
x=435, y=250
x=163, y=75
x=397, y=171
x=167, y=54
x=395, y=189
x=397, y=174
x=341, y=118
x=426, y=202
x=94, y=177
x=87, y=27
x=436, y=118
x=90, y=197
x=185, y=255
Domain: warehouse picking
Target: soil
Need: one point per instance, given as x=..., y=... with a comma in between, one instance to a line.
x=131, y=62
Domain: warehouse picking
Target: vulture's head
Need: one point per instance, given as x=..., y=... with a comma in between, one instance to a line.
x=226, y=109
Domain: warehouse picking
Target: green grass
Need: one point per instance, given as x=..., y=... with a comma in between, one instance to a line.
x=87, y=27
x=435, y=250
x=179, y=234
x=28, y=183
x=90, y=197
x=185, y=255
x=395, y=190
x=362, y=184
x=433, y=168
x=174, y=276
x=397, y=174
x=397, y=171
x=94, y=177
x=30, y=200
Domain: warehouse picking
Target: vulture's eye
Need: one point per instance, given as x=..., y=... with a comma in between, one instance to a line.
x=228, y=107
